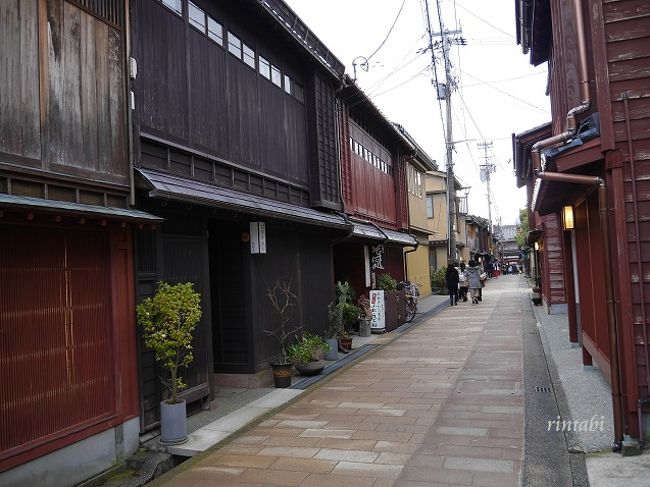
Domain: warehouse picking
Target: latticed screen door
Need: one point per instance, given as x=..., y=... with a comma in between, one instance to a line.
x=56, y=373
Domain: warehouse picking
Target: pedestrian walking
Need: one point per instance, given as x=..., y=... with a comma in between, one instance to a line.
x=452, y=279
x=473, y=273
x=463, y=283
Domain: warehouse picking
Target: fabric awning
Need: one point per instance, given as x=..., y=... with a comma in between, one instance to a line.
x=54, y=206
x=177, y=188
x=363, y=230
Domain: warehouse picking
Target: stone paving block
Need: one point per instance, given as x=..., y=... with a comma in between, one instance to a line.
x=461, y=431
x=340, y=444
x=496, y=480
x=244, y=461
x=347, y=455
x=288, y=451
x=320, y=480
x=391, y=458
x=272, y=477
x=469, y=451
x=426, y=474
x=289, y=423
x=251, y=439
x=479, y=464
x=326, y=433
x=424, y=459
x=396, y=446
x=238, y=449
x=382, y=435
x=308, y=465
x=367, y=469
x=289, y=441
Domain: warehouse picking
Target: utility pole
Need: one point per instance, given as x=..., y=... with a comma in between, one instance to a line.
x=443, y=91
x=486, y=169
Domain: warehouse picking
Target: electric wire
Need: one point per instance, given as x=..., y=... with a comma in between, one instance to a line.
x=507, y=94
x=389, y=32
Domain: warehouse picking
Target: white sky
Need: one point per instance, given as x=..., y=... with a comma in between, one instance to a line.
x=399, y=82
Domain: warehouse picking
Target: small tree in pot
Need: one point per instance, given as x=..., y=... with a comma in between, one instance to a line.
x=282, y=299
x=168, y=320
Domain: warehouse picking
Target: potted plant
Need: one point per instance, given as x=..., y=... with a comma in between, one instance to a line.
x=365, y=316
x=537, y=291
x=168, y=320
x=307, y=354
x=438, y=280
x=349, y=313
x=282, y=300
x=334, y=330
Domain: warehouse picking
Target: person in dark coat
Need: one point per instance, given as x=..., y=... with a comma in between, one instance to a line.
x=451, y=278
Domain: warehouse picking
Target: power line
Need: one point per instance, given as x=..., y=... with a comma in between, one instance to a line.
x=485, y=21
x=503, y=80
x=506, y=93
x=389, y=31
x=426, y=68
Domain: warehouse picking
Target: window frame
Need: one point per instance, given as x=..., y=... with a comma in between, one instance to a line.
x=230, y=45
x=168, y=4
x=275, y=69
x=193, y=23
x=219, y=38
x=429, y=199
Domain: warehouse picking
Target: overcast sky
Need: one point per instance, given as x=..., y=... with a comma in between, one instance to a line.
x=498, y=93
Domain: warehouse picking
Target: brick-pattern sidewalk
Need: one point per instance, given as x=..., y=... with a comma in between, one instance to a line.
x=441, y=405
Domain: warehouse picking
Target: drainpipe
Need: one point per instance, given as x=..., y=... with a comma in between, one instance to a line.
x=570, y=131
x=571, y=123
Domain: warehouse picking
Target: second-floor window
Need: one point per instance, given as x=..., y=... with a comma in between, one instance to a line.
x=234, y=45
x=414, y=181
x=197, y=17
x=174, y=5
x=276, y=76
x=429, y=206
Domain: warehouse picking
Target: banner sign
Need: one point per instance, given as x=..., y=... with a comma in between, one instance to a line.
x=377, y=311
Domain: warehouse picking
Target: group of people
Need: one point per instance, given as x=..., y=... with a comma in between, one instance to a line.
x=463, y=278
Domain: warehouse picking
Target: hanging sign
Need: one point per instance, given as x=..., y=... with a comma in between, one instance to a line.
x=258, y=237
x=377, y=311
x=377, y=257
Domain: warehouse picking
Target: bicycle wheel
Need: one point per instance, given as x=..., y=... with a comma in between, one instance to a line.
x=410, y=310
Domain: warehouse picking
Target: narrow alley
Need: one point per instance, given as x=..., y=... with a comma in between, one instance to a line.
x=441, y=405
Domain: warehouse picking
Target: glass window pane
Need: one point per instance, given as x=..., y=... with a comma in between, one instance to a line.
x=429, y=206
x=249, y=56
x=215, y=31
x=276, y=76
x=287, y=84
x=265, y=68
x=175, y=5
x=197, y=17
x=298, y=92
x=234, y=45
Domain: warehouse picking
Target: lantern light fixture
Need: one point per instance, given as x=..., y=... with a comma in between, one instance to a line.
x=568, y=221
x=536, y=245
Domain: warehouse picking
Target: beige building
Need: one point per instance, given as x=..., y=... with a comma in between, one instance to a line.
x=436, y=201
x=417, y=260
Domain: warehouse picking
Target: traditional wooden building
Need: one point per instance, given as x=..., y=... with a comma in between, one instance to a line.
x=235, y=141
x=417, y=260
x=374, y=192
x=437, y=204
x=594, y=169
x=550, y=247
x=68, y=394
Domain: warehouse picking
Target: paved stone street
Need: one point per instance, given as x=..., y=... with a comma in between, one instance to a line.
x=442, y=405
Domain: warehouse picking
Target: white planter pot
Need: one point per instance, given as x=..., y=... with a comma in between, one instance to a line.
x=173, y=423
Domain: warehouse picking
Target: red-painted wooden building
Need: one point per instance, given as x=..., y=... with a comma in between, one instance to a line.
x=597, y=163
x=373, y=181
x=68, y=391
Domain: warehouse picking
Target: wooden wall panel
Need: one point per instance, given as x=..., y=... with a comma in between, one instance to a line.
x=162, y=100
x=86, y=109
x=208, y=103
x=244, y=118
x=271, y=137
x=19, y=74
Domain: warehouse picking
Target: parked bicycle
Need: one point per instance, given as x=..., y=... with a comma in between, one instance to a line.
x=412, y=293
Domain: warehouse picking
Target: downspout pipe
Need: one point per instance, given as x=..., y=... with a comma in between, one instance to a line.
x=612, y=326
x=571, y=123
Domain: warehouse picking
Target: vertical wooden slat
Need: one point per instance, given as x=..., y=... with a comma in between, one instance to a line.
x=55, y=344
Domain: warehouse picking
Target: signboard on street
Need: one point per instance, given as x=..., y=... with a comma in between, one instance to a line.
x=377, y=311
